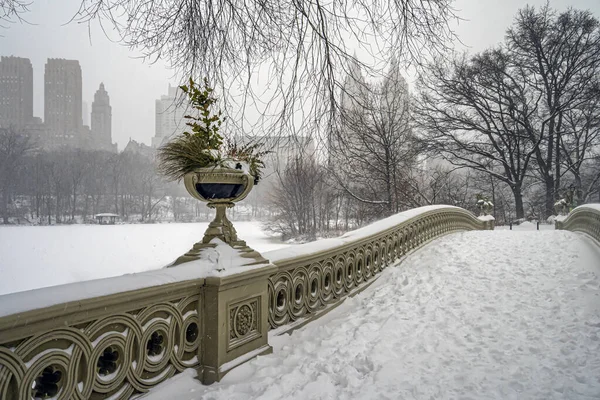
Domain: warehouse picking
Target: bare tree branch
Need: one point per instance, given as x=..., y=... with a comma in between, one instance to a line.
x=294, y=51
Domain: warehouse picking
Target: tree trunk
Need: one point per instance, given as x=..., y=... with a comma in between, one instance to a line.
x=557, y=160
x=518, y=201
x=494, y=196
x=116, y=188
x=550, y=200
x=4, y=208
x=57, y=208
x=36, y=198
x=86, y=207
x=74, y=207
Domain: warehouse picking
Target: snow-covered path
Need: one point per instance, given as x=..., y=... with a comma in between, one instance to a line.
x=475, y=315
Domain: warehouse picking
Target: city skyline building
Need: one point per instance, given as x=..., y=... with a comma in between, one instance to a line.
x=63, y=102
x=169, y=117
x=101, y=120
x=67, y=119
x=16, y=92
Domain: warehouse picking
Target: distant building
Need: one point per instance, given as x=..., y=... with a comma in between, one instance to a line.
x=16, y=91
x=37, y=132
x=169, y=117
x=354, y=88
x=63, y=102
x=139, y=148
x=102, y=121
x=353, y=92
x=106, y=218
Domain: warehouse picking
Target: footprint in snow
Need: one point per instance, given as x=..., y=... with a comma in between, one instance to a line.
x=595, y=324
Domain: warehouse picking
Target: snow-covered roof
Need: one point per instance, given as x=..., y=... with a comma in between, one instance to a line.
x=106, y=215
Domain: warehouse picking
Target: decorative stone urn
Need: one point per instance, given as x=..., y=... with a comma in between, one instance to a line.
x=561, y=207
x=485, y=206
x=221, y=188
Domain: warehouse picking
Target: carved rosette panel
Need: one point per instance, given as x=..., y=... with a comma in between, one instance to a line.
x=298, y=290
x=244, y=322
x=114, y=356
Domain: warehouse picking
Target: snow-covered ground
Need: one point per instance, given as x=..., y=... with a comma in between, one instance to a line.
x=476, y=315
x=32, y=257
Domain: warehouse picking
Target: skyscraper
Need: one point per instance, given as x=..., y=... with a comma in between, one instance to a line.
x=62, y=101
x=169, y=117
x=102, y=119
x=16, y=91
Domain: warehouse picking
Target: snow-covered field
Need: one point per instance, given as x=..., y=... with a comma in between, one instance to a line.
x=32, y=257
x=477, y=315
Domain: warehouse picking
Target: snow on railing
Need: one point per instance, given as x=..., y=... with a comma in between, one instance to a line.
x=113, y=338
x=113, y=345
x=314, y=276
x=585, y=218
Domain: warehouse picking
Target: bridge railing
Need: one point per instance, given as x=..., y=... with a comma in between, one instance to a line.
x=585, y=218
x=314, y=276
x=120, y=336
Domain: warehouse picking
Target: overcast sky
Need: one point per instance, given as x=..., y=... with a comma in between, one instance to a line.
x=133, y=84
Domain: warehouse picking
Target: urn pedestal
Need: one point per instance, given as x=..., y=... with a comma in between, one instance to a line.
x=220, y=188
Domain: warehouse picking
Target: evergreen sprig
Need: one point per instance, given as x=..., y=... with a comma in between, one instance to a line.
x=204, y=146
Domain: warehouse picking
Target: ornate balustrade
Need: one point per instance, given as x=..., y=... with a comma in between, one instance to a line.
x=120, y=336
x=584, y=219
x=106, y=346
x=126, y=342
x=321, y=275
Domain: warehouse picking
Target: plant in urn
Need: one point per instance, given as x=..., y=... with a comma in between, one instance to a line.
x=214, y=170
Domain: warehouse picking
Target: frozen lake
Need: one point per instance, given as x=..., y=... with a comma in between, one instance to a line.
x=32, y=257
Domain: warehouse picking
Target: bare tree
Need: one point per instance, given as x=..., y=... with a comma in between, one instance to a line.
x=299, y=46
x=77, y=168
x=439, y=185
x=298, y=199
x=14, y=146
x=11, y=10
x=474, y=112
x=560, y=56
x=580, y=143
x=372, y=149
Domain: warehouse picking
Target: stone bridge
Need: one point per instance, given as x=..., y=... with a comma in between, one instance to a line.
x=120, y=337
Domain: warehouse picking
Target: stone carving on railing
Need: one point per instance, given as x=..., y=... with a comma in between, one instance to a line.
x=244, y=319
x=114, y=356
x=584, y=219
x=304, y=285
